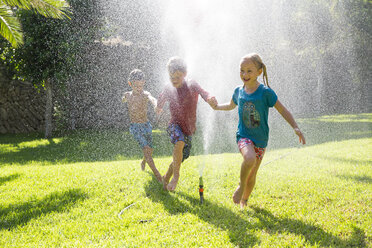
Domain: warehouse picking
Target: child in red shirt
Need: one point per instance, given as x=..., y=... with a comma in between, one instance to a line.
x=182, y=96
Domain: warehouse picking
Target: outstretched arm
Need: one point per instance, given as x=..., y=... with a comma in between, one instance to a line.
x=225, y=106
x=291, y=121
x=152, y=100
x=125, y=96
x=212, y=101
x=158, y=111
x=160, y=103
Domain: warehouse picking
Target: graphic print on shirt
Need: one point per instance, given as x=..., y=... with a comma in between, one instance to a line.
x=251, y=117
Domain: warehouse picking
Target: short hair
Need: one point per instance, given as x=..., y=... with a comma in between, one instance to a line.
x=176, y=64
x=136, y=75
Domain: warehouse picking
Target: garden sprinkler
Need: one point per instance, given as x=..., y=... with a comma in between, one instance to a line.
x=201, y=190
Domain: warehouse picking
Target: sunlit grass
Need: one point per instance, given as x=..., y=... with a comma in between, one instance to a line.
x=16, y=147
x=318, y=195
x=40, y=142
x=365, y=117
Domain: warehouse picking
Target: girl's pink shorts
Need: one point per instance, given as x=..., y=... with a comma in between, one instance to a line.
x=243, y=142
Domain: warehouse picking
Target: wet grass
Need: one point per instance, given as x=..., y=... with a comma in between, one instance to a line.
x=69, y=191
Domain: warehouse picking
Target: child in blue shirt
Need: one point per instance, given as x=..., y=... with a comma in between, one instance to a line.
x=254, y=100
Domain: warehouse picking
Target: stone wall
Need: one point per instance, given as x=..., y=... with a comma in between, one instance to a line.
x=21, y=107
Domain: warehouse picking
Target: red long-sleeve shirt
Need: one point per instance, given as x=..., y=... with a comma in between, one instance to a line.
x=182, y=104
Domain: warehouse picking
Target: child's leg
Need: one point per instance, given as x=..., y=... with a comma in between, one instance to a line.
x=177, y=160
x=142, y=134
x=249, y=160
x=167, y=176
x=251, y=181
x=143, y=163
x=147, y=151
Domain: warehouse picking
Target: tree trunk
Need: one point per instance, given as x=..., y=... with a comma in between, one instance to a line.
x=48, y=109
x=71, y=105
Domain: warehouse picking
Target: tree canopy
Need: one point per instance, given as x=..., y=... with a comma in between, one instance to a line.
x=10, y=25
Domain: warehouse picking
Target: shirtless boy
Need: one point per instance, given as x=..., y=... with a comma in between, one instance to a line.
x=141, y=129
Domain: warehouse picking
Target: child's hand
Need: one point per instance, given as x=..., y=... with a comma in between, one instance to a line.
x=300, y=135
x=212, y=101
x=158, y=111
x=125, y=96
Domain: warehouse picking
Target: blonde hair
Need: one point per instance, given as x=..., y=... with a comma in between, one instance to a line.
x=256, y=59
x=176, y=64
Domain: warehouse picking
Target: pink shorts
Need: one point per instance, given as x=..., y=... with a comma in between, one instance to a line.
x=243, y=142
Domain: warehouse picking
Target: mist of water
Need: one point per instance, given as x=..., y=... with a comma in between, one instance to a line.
x=212, y=36
x=209, y=39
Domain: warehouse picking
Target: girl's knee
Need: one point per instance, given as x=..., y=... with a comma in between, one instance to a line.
x=249, y=160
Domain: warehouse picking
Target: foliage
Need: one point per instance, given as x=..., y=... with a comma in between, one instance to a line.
x=69, y=191
x=54, y=50
x=10, y=26
x=52, y=47
x=332, y=39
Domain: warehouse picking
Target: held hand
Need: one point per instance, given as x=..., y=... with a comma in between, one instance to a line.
x=300, y=135
x=212, y=101
x=158, y=111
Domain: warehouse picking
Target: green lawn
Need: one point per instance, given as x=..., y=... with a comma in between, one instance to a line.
x=68, y=191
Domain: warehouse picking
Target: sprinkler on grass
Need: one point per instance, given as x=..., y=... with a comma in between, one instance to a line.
x=201, y=190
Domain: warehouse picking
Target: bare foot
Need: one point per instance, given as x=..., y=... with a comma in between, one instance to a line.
x=173, y=184
x=243, y=203
x=143, y=164
x=237, y=195
x=165, y=182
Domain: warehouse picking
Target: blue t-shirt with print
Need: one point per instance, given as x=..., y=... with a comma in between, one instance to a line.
x=253, y=113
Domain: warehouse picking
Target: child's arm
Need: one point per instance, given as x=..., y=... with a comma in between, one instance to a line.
x=158, y=111
x=153, y=101
x=160, y=103
x=225, y=106
x=291, y=121
x=125, y=96
x=212, y=101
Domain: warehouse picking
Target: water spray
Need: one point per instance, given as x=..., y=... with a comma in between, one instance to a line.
x=283, y=156
x=201, y=190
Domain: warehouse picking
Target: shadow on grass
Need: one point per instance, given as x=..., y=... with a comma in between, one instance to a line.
x=346, y=160
x=209, y=212
x=360, y=179
x=8, y=178
x=312, y=233
x=20, y=214
x=239, y=229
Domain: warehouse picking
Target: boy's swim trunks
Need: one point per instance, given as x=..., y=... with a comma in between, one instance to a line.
x=142, y=133
x=176, y=134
